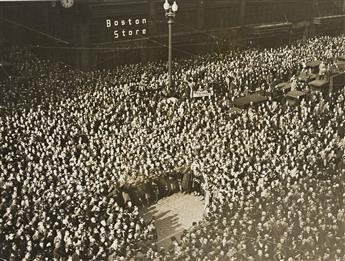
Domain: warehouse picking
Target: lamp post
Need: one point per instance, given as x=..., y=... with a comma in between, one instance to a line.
x=170, y=11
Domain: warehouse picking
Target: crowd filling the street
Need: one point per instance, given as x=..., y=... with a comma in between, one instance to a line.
x=83, y=152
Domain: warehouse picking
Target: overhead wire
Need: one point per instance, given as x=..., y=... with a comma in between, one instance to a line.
x=199, y=31
x=5, y=71
x=35, y=30
x=154, y=41
x=119, y=48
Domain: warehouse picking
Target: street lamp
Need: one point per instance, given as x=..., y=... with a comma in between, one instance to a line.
x=170, y=11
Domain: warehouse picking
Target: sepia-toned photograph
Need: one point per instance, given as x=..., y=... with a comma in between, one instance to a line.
x=172, y=130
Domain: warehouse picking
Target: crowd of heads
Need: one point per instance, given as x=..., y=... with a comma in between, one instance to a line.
x=277, y=188
x=71, y=141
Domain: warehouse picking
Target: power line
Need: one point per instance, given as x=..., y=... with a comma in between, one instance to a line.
x=36, y=31
x=200, y=31
x=119, y=48
x=4, y=70
x=154, y=41
x=164, y=45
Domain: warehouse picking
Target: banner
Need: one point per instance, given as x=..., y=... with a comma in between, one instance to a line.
x=204, y=93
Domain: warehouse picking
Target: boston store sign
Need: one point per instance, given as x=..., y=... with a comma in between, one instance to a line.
x=127, y=27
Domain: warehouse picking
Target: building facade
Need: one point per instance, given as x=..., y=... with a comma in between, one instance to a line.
x=96, y=34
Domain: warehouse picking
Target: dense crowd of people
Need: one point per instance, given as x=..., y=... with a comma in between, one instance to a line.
x=81, y=152
x=277, y=188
